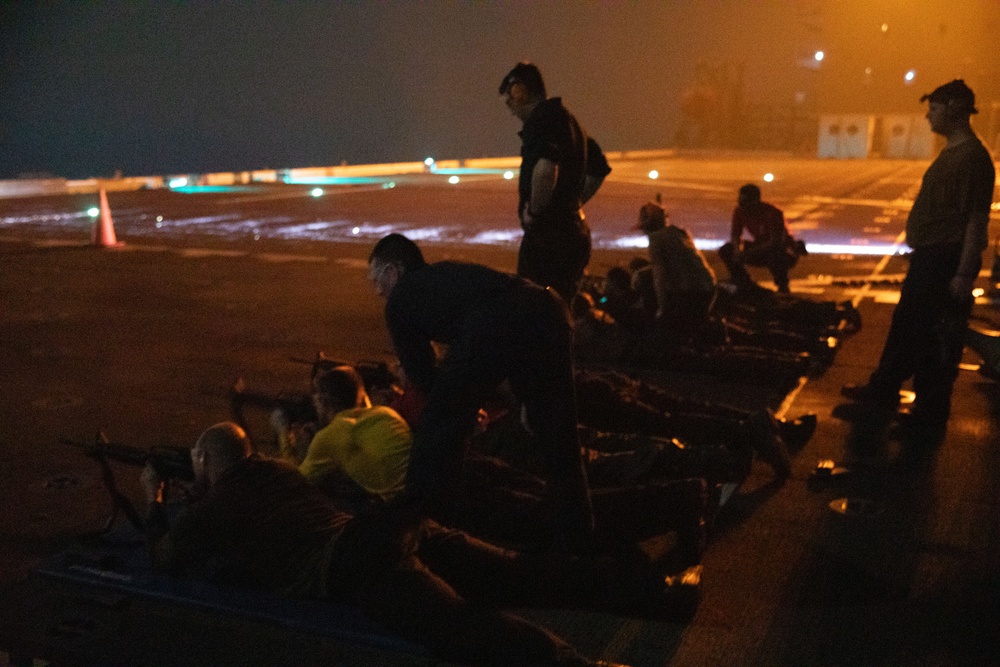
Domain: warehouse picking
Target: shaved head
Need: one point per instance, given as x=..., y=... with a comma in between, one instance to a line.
x=219, y=448
x=226, y=440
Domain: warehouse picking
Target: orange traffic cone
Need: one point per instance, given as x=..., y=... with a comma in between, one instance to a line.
x=103, y=233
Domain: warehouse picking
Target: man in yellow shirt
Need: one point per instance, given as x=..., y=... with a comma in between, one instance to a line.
x=363, y=451
x=360, y=458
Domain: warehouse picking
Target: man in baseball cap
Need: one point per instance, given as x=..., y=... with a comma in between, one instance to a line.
x=955, y=93
x=948, y=230
x=683, y=282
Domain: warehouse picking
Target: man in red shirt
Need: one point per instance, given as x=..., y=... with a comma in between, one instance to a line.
x=771, y=243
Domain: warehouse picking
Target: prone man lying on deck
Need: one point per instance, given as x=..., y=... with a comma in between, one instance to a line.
x=360, y=454
x=260, y=523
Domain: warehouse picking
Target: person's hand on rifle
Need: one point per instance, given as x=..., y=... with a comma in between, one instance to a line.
x=152, y=484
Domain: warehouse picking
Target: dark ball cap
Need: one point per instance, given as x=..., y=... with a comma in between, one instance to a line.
x=955, y=90
x=652, y=216
x=527, y=74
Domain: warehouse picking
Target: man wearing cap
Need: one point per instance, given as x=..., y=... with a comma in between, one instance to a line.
x=771, y=243
x=561, y=169
x=683, y=282
x=947, y=230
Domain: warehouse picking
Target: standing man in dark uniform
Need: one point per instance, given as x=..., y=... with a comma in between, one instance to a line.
x=496, y=327
x=561, y=169
x=947, y=229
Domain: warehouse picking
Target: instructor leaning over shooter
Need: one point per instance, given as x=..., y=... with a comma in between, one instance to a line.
x=561, y=169
x=947, y=229
x=496, y=327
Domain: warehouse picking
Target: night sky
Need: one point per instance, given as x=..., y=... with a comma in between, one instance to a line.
x=146, y=88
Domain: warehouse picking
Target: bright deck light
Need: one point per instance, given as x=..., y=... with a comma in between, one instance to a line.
x=654, y=174
x=93, y=211
x=179, y=182
x=453, y=180
x=508, y=174
x=819, y=55
x=317, y=192
x=768, y=177
x=429, y=161
x=912, y=74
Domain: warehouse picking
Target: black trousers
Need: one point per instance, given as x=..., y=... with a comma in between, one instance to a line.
x=555, y=251
x=685, y=314
x=777, y=260
x=926, y=336
x=523, y=336
x=443, y=589
x=612, y=401
x=505, y=504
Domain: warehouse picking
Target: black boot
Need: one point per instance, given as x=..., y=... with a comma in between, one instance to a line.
x=796, y=433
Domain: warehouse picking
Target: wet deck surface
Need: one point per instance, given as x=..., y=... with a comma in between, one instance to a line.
x=144, y=342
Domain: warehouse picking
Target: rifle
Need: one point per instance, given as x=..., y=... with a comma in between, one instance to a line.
x=169, y=462
x=376, y=375
x=298, y=406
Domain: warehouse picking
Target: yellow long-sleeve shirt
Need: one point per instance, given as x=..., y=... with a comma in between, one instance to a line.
x=370, y=445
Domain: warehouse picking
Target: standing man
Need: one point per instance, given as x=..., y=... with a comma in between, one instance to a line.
x=771, y=243
x=947, y=229
x=496, y=327
x=561, y=169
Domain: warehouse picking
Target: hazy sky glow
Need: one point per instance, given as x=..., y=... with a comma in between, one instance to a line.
x=152, y=88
